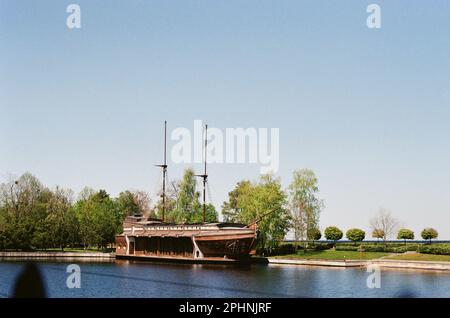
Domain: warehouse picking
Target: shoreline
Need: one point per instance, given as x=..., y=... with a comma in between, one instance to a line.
x=56, y=255
x=384, y=263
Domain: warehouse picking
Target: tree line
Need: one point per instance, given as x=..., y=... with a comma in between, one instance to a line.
x=33, y=216
x=333, y=233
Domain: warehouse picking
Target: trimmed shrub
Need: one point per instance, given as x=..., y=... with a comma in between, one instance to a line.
x=314, y=234
x=282, y=249
x=429, y=234
x=346, y=248
x=401, y=249
x=322, y=246
x=389, y=249
x=405, y=234
x=332, y=233
x=405, y=248
x=355, y=235
x=438, y=249
x=372, y=248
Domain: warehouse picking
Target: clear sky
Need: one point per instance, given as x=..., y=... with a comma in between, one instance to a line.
x=367, y=109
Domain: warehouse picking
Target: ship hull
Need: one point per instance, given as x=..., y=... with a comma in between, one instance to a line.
x=192, y=243
x=187, y=260
x=197, y=245
x=233, y=246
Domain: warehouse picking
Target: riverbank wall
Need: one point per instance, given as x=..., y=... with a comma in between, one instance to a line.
x=400, y=264
x=102, y=257
x=425, y=265
x=57, y=256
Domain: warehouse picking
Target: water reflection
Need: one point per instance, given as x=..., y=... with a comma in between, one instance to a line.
x=141, y=279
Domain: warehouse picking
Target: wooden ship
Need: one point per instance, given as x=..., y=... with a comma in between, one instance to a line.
x=155, y=239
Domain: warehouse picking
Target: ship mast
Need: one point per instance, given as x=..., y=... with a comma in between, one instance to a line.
x=164, y=170
x=204, y=176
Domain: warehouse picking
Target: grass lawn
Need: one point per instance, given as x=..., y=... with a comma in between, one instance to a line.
x=421, y=257
x=333, y=255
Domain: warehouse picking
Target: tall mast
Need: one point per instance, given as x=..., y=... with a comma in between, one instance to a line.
x=164, y=170
x=204, y=176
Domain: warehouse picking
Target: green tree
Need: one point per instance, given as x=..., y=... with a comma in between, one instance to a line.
x=73, y=228
x=107, y=218
x=171, y=204
x=23, y=205
x=332, y=233
x=304, y=203
x=187, y=206
x=253, y=201
x=35, y=217
x=405, y=234
x=3, y=235
x=84, y=211
x=314, y=234
x=230, y=209
x=126, y=203
x=211, y=214
x=58, y=226
x=355, y=235
x=42, y=234
x=429, y=234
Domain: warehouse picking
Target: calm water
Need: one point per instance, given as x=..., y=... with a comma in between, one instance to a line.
x=135, y=279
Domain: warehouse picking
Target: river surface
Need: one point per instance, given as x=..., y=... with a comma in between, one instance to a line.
x=143, y=279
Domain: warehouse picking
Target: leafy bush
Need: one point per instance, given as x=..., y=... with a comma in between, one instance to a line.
x=282, y=249
x=402, y=249
x=314, y=234
x=405, y=234
x=322, y=246
x=389, y=249
x=346, y=248
x=381, y=243
x=372, y=248
x=429, y=234
x=332, y=233
x=438, y=249
x=355, y=235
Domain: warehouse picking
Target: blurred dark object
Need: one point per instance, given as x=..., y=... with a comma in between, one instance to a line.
x=29, y=284
x=405, y=293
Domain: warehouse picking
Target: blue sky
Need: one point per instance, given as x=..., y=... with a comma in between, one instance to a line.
x=367, y=109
